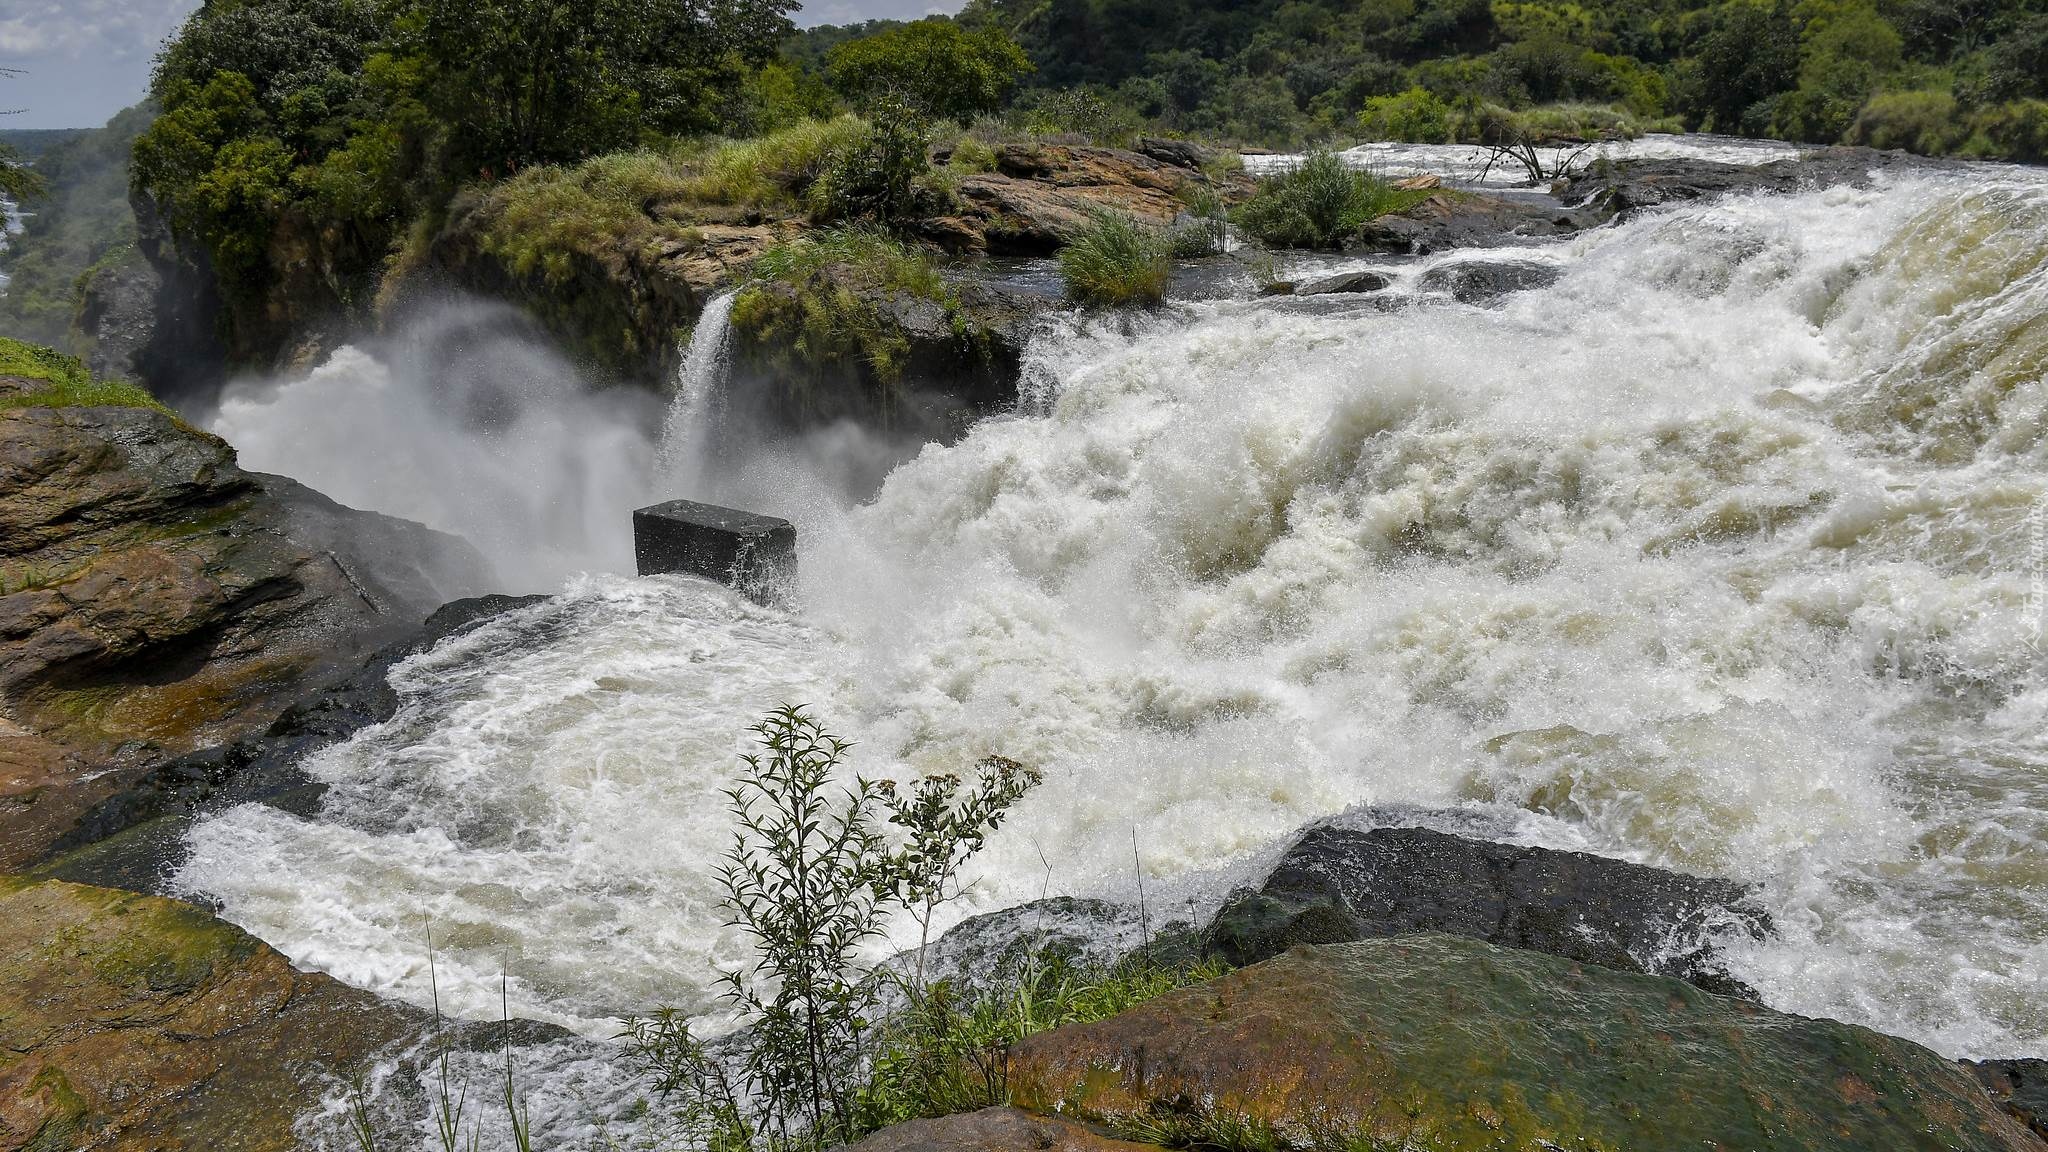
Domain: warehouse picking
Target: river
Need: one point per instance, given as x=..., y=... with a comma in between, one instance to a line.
x=1726, y=553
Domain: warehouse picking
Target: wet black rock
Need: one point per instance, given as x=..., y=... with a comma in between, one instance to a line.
x=1179, y=153
x=755, y=554
x=1451, y=220
x=1344, y=282
x=2019, y=1086
x=1484, y=281
x=1337, y=885
x=1629, y=186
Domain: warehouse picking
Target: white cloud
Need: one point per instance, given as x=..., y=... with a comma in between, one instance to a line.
x=81, y=60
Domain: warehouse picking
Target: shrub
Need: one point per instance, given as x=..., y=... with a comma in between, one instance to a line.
x=1416, y=116
x=1115, y=260
x=2015, y=131
x=1320, y=203
x=809, y=880
x=1079, y=112
x=880, y=175
x=63, y=382
x=1922, y=121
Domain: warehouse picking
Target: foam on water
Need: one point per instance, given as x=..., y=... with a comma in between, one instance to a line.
x=1725, y=553
x=1472, y=164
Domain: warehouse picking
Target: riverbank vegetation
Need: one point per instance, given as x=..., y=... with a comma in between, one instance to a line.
x=60, y=381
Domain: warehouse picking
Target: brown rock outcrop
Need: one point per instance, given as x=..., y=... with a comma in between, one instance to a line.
x=992, y=1130
x=155, y=598
x=1039, y=193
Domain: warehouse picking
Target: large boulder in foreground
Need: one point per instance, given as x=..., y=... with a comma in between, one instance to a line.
x=1338, y=884
x=1446, y=1043
x=135, y=1022
x=991, y=1130
x=155, y=598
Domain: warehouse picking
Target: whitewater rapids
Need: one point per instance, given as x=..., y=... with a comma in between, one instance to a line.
x=1725, y=553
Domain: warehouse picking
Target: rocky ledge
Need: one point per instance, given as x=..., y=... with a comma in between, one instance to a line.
x=156, y=599
x=1447, y=1043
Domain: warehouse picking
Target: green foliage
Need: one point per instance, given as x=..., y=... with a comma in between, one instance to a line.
x=775, y=171
x=1085, y=113
x=818, y=295
x=944, y=1051
x=81, y=221
x=934, y=66
x=1319, y=203
x=1116, y=260
x=65, y=382
x=879, y=176
x=809, y=879
x=1417, y=116
x=311, y=134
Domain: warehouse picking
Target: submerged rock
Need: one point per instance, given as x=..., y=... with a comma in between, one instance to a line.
x=156, y=599
x=1443, y=1042
x=1337, y=885
x=1484, y=281
x=139, y=1022
x=1344, y=283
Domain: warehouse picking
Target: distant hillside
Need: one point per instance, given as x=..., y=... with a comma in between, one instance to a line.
x=1936, y=76
x=33, y=142
x=81, y=220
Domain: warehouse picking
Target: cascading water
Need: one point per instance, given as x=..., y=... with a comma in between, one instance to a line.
x=691, y=430
x=1725, y=552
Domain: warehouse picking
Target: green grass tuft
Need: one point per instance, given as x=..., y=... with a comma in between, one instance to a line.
x=819, y=294
x=65, y=382
x=1320, y=203
x=1117, y=260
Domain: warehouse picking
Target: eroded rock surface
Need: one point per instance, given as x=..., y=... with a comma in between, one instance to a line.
x=1448, y=1043
x=1040, y=193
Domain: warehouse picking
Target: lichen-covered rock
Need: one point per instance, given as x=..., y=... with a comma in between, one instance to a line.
x=991, y=1130
x=1040, y=193
x=1450, y=1044
x=1340, y=884
x=136, y=1022
x=2020, y=1086
x=155, y=599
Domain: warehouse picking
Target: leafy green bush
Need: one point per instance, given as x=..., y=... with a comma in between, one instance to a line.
x=1319, y=203
x=64, y=382
x=810, y=880
x=1919, y=121
x=1416, y=116
x=934, y=65
x=879, y=176
x=1115, y=260
x=2014, y=131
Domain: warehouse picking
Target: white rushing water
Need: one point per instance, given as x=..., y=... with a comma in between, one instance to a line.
x=691, y=429
x=1473, y=164
x=1725, y=553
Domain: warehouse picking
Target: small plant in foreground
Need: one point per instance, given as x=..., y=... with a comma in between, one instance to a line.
x=810, y=879
x=1320, y=203
x=1114, y=259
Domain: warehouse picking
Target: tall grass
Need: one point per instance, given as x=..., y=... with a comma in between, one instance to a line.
x=63, y=382
x=1116, y=260
x=820, y=294
x=776, y=170
x=1320, y=203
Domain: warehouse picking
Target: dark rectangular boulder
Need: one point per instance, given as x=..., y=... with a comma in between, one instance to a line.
x=755, y=554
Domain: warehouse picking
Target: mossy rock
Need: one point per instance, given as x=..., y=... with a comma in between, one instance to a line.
x=1452, y=1045
x=132, y=1021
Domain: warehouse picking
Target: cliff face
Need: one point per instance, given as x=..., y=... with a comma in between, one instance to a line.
x=155, y=598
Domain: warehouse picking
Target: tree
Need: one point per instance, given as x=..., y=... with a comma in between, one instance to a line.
x=1749, y=54
x=17, y=180
x=934, y=65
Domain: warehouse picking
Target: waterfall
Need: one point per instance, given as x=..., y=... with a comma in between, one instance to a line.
x=691, y=430
x=1722, y=553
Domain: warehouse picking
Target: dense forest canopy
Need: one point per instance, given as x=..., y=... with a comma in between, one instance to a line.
x=300, y=147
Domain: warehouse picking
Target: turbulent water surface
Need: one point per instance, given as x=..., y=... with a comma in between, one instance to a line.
x=1724, y=553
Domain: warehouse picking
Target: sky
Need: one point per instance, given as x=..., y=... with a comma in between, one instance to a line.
x=84, y=60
